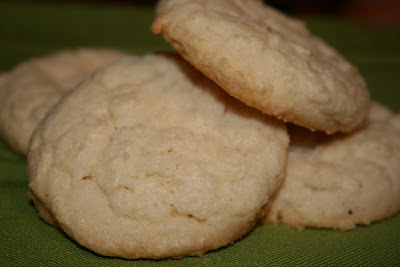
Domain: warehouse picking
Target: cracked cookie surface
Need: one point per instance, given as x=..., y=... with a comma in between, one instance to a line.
x=266, y=60
x=150, y=159
x=342, y=180
x=32, y=88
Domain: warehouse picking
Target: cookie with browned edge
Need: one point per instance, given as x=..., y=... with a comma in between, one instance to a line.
x=266, y=60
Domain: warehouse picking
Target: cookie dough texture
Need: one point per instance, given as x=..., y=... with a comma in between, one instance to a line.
x=266, y=60
x=342, y=180
x=150, y=159
x=33, y=87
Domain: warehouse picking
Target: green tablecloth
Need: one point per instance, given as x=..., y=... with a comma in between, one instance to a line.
x=28, y=30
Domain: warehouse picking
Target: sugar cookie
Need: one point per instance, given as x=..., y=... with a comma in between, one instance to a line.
x=343, y=180
x=266, y=60
x=150, y=159
x=33, y=87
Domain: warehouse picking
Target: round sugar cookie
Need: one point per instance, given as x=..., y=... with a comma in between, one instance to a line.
x=33, y=87
x=148, y=158
x=266, y=60
x=342, y=180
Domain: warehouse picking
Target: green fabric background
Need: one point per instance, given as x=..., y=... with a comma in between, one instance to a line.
x=28, y=30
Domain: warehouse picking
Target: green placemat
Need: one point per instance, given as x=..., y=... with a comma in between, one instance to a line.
x=28, y=30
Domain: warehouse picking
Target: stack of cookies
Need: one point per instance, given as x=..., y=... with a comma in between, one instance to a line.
x=170, y=155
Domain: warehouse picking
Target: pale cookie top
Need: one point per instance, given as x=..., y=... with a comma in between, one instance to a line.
x=33, y=87
x=343, y=180
x=150, y=159
x=267, y=60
